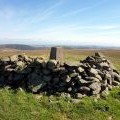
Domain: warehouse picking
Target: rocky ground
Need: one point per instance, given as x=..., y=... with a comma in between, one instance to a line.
x=93, y=76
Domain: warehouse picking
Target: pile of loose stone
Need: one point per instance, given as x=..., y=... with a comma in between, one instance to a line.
x=92, y=76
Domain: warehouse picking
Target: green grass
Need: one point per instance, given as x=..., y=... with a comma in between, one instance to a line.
x=19, y=105
x=26, y=106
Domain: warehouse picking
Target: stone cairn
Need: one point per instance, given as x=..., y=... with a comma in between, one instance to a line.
x=92, y=76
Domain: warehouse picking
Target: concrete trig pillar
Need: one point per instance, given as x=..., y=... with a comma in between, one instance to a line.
x=57, y=54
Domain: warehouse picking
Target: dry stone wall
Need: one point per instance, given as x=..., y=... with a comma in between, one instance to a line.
x=92, y=76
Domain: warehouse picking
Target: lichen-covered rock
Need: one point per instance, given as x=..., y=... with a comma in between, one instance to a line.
x=95, y=87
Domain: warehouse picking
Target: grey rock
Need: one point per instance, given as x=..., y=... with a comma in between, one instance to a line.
x=115, y=83
x=93, y=72
x=73, y=75
x=79, y=77
x=47, y=78
x=99, y=77
x=95, y=87
x=92, y=76
x=90, y=59
x=104, y=65
x=10, y=69
x=46, y=71
x=56, y=80
x=51, y=64
x=80, y=70
x=44, y=64
x=79, y=95
x=94, y=79
x=116, y=77
x=7, y=67
x=38, y=87
x=69, y=89
x=105, y=82
x=10, y=79
x=26, y=70
x=65, y=95
x=62, y=84
x=75, y=101
x=35, y=82
x=82, y=81
x=2, y=81
x=103, y=87
x=18, y=77
x=108, y=76
x=110, y=87
x=68, y=79
x=84, y=89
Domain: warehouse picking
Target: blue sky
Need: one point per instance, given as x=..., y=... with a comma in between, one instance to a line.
x=70, y=22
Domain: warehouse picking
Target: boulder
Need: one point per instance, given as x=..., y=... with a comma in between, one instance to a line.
x=51, y=64
x=95, y=87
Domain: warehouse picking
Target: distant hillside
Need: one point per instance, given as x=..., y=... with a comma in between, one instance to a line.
x=17, y=46
x=38, y=47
